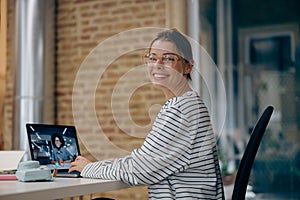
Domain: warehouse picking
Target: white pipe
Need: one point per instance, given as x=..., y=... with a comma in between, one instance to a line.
x=204, y=72
x=229, y=56
x=194, y=33
x=31, y=59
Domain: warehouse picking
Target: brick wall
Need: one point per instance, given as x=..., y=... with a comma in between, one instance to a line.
x=102, y=85
x=9, y=91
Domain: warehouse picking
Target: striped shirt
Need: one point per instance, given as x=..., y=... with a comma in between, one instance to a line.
x=178, y=159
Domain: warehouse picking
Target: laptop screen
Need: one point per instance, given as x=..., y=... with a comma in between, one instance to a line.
x=53, y=145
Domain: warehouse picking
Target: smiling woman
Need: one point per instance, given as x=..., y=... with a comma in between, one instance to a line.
x=170, y=72
x=170, y=62
x=178, y=159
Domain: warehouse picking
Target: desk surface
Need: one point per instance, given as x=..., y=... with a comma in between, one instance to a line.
x=56, y=189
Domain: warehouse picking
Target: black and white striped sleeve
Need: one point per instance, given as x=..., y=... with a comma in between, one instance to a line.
x=163, y=153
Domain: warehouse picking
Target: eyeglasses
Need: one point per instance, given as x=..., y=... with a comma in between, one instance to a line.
x=168, y=59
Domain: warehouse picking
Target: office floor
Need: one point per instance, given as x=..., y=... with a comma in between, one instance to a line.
x=250, y=195
x=276, y=197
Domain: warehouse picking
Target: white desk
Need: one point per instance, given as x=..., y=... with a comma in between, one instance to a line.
x=56, y=189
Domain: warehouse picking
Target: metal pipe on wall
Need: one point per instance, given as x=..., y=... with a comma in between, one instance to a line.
x=34, y=74
x=204, y=72
x=194, y=33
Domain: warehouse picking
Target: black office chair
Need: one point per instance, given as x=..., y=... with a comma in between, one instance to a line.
x=243, y=173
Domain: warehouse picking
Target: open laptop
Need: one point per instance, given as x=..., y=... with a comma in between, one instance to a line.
x=54, y=146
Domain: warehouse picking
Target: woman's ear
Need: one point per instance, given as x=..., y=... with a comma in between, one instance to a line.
x=188, y=68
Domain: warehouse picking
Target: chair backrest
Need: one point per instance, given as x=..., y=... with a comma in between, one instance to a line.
x=244, y=169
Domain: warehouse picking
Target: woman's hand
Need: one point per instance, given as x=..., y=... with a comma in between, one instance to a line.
x=79, y=163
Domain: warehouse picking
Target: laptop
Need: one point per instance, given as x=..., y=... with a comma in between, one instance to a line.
x=55, y=146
